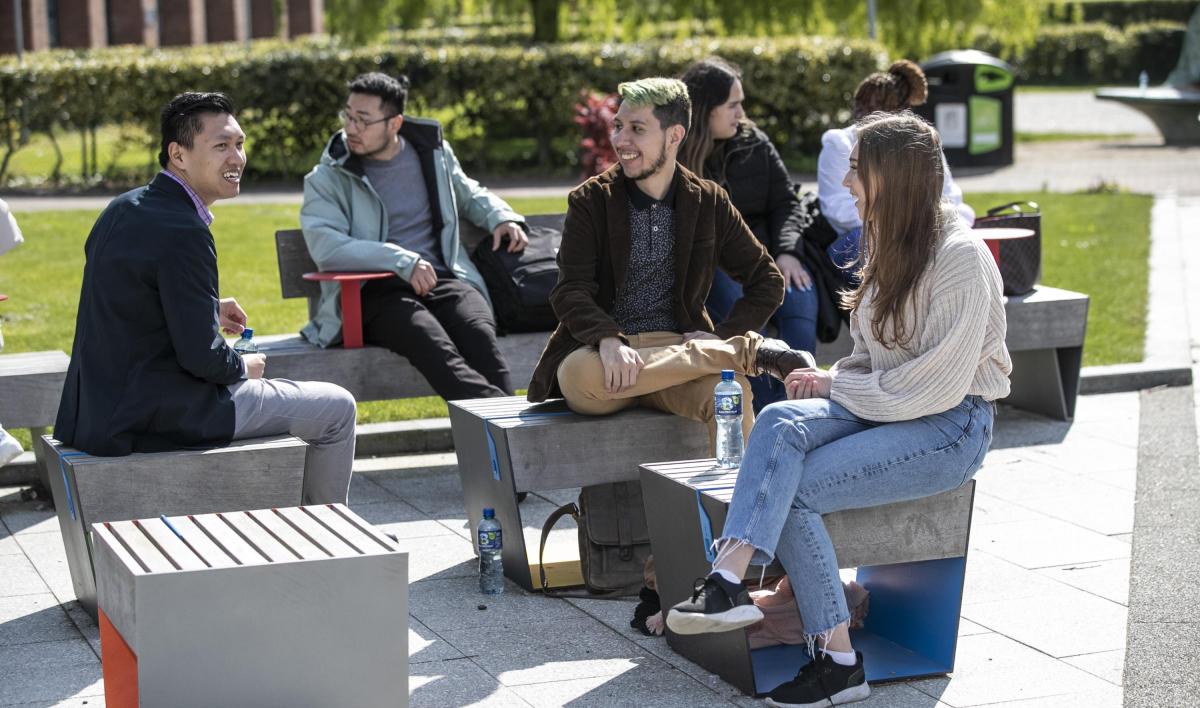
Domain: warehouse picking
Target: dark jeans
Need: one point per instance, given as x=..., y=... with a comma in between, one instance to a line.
x=449, y=335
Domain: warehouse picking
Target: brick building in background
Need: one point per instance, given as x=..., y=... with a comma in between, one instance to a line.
x=86, y=24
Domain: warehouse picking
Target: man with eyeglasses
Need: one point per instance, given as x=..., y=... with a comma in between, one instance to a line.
x=388, y=194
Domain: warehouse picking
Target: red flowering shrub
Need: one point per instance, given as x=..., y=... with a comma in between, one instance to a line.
x=594, y=115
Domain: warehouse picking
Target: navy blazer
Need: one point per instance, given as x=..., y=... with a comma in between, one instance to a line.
x=149, y=368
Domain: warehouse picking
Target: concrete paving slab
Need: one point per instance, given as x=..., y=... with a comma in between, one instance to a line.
x=649, y=682
x=17, y=658
x=85, y=624
x=994, y=510
x=1082, y=623
x=1106, y=579
x=993, y=579
x=49, y=556
x=364, y=490
x=435, y=494
x=1109, y=697
x=614, y=614
x=1108, y=665
x=459, y=682
x=19, y=577
x=25, y=619
x=531, y=654
x=1017, y=483
x=8, y=544
x=1076, y=112
x=54, y=685
x=453, y=605
x=439, y=557
x=1025, y=543
x=1083, y=455
x=990, y=668
x=23, y=518
x=401, y=519
x=399, y=465
x=888, y=695
x=659, y=648
x=1101, y=508
x=424, y=645
x=96, y=701
x=967, y=628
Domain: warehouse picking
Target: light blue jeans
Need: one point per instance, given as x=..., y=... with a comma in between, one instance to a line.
x=812, y=456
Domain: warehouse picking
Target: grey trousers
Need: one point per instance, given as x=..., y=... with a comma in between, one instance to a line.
x=319, y=413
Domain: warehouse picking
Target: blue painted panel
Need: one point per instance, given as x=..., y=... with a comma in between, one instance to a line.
x=917, y=605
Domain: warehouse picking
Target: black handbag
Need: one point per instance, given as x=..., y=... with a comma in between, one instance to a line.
x=614, y=541
x=520, y=283
x=1021, y=258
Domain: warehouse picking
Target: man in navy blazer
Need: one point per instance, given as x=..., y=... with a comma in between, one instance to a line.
x=149, y=368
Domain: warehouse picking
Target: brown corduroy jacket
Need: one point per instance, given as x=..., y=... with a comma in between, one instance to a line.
x=594, y=258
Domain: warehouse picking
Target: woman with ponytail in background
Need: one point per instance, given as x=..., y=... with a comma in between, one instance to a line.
x=901, y=87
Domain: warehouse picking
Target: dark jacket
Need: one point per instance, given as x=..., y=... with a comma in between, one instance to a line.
x=594, y=258
x=149, y=367
x=751, y=170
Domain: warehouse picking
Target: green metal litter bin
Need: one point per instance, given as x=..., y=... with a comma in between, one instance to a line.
x=971, y=104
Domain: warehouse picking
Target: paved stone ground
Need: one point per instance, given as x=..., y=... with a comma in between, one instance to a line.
x=1047, y=613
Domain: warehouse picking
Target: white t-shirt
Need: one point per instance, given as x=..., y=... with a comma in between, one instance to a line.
x=836, y=203
x=10, y=233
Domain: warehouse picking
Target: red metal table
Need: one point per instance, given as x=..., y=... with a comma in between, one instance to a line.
x=351, y=284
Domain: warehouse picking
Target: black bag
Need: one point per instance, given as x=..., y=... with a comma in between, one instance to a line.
x=520, y=283
x=1020, y=258
x=614, y=542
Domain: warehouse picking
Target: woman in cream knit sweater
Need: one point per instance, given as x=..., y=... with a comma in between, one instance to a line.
x=908, y=414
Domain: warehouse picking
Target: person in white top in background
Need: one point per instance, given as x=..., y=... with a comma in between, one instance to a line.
x=10, y=238
x=902, y=86
x=907, y=415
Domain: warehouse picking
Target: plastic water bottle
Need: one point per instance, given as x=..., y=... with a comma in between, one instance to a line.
x=1144, y=80
x=491, y=565
x=727, y=402
x=246, y=344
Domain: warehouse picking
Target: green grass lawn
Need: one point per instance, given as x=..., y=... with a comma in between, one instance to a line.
x=1094, y=243
x=1060, y=137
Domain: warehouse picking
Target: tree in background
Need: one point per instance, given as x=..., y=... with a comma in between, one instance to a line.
x=913, y=29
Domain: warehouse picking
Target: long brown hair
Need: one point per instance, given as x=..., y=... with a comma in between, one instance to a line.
x=900, y=166
x=709, y=82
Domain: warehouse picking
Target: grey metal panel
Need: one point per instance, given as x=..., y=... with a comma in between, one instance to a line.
x=115, y=568
x=30, y=388
x=294, y=262
x=374, y=373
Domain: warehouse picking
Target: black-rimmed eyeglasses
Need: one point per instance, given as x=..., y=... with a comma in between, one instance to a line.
x=359, y=123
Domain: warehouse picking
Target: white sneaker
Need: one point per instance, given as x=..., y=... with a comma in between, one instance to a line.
x=9, y=448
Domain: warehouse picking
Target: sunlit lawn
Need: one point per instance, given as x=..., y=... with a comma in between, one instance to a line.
x=1094, y=243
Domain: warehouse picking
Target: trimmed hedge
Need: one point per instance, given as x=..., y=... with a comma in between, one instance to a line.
x=1097, y=53
x=289, y=94
x=1121, y=13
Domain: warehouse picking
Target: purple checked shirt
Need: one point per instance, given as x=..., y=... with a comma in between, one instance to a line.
x=201, y=209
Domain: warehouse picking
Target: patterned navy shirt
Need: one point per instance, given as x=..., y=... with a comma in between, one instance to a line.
x=646, y=300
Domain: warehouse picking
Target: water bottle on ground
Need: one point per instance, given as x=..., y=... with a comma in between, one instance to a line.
x=727, y=403
x=246, y=344
x=491, y=543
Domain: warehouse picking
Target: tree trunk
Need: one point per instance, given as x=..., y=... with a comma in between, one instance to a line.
x=545, y=20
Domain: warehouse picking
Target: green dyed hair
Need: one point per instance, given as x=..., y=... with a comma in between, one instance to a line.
x=672, y=106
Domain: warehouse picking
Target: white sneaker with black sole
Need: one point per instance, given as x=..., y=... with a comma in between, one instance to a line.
x=717, y=605
x=823, y=682
x=9, y=447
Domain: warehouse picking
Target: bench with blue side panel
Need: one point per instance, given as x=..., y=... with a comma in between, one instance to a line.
x=911, y=556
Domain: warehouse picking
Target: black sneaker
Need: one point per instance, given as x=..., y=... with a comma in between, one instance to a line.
x=823, y=682
x=717, y=605
x=776, y=358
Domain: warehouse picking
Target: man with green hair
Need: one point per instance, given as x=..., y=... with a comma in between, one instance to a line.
x=640, y=245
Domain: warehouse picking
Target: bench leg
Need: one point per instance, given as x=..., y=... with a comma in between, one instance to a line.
x=1046, y=381
x=72, y=524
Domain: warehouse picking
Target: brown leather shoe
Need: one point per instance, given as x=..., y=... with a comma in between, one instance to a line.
x=776, y=358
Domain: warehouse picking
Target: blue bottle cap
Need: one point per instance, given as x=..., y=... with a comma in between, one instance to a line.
x=489, y=512
x=727, y=375
x=247, y=333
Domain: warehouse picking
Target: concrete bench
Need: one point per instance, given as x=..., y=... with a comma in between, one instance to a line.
x=373, y=373
x=1046, y=329
x=302, y=606
x=31, y=385
x=254, y=473
x=1175, y=112
x=506, y=446
x=911, y=556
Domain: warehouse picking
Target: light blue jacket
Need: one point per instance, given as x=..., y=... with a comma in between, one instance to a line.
x=345, y=222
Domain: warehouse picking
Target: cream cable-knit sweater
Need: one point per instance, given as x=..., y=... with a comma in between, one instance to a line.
x=957, y=348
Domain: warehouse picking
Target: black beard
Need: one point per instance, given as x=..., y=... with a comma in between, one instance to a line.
x=654, y=167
